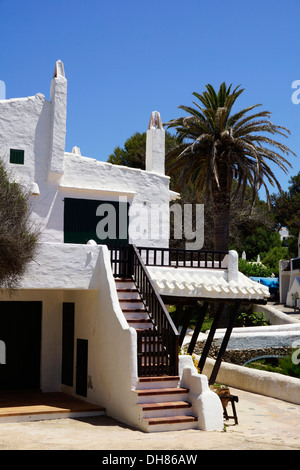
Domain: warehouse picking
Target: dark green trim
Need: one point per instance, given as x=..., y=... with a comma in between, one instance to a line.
x=81, y=220
x=82, y=367
x=68, y=323
x=16, y=156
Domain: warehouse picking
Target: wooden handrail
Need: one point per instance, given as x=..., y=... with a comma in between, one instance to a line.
x=155, y=291
x=158, y=346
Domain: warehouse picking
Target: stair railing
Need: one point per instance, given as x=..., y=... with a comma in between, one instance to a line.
x=157, y=347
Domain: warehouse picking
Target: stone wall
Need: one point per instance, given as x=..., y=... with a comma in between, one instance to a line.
x=238, y=356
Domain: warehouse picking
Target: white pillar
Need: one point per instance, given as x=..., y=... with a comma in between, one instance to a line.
x=58, y=99
x=155, y=145
x=233, y=266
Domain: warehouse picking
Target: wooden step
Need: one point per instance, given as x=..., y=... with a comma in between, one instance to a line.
x=171, y=420
x=127, y=289
x=159, y=381
x=139, y=320
x=133, y=309
x=166, y=405
x=159, y=378
x=161, y=391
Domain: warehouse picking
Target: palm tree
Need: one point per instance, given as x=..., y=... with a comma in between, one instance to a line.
x=218, y=147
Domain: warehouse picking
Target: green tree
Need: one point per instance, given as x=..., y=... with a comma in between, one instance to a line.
x=260, y=242
x=286, y=210
x=245, y=220
x=133, y=153
x=218, y=146
x=17, y=236
x=272, y=258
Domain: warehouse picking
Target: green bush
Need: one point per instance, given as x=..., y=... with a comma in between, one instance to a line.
x=285, y=365
x=254, y=269
x=272, y=258
x=251, y=319
x=289, y=366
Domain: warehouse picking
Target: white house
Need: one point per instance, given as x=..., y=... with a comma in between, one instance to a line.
x=72, y=326
x=289, y=280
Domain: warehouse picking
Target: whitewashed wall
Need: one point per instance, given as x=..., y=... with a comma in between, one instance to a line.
x=38, y=127
x=112, y=358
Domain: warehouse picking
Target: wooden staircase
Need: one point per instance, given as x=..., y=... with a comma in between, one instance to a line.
x=163, y=404
x=132, y=305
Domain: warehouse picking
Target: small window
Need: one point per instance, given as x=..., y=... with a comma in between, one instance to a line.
x=17, y=156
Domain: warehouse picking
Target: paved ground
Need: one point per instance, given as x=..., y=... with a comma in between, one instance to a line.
x=290, y=311
x=264, y=424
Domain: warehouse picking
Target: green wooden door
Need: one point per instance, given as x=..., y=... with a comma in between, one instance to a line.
x=20, y=330
x=106, y=222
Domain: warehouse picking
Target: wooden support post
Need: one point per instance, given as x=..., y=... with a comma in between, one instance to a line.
x=179, y=310
x=199, y=324
x=185, y=324
x=210, y=337
x=224, y=344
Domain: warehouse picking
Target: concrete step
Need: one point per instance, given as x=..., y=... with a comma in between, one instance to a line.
x=164, y=406
x=124, y=294
x=125, y=283
x=170, y=423
x=140, y=323
x=159, y=395
x=165, y=409
x=163, y=381
x=135, y=313
x=131, y=304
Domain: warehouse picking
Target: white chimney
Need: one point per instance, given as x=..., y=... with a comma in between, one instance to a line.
x=155, y=145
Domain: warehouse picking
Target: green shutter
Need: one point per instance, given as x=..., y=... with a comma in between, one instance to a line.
x=68, y=325
x=17, y=156
x=80, y=221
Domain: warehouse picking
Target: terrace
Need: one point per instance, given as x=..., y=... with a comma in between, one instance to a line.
x=166, y=276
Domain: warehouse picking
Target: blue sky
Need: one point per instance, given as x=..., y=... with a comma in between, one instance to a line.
x=126, y=58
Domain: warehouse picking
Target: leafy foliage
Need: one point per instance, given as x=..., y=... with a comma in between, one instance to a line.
x=288, y=366
x=251, y=319
x=286, y=212
x=17, y=237
x=218, y=146
x=254, y=269
x=260, y=241
x=272, y=258
x=133, y=153
x=285, y=365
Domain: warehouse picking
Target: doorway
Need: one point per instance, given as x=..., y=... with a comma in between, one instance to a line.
x=20, y=331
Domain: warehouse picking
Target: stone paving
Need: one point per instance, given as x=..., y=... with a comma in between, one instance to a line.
x=264, y=424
